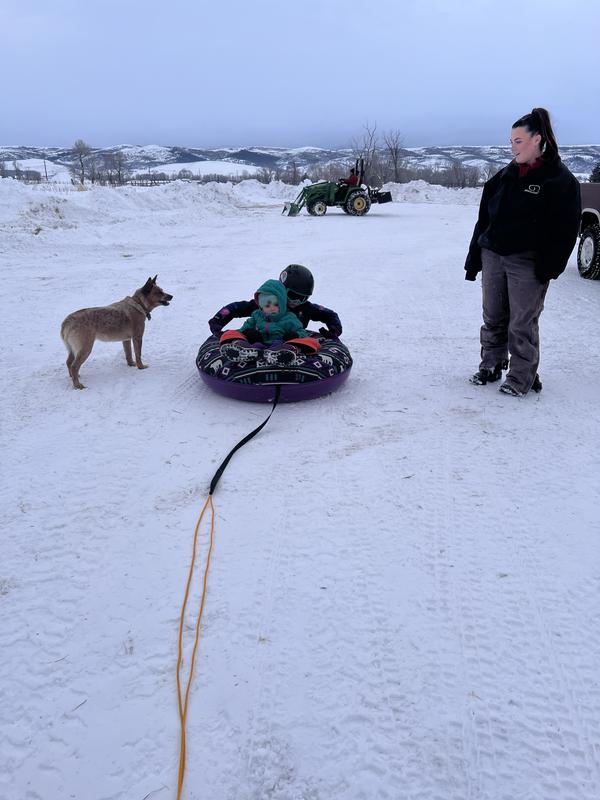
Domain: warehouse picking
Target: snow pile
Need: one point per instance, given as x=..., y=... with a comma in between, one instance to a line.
x=99, y=206
x=422, y=192
x=37, y=208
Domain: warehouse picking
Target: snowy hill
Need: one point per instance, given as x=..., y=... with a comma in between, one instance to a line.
x=579, y=158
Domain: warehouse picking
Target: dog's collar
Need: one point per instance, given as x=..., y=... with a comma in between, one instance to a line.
x=139, y=306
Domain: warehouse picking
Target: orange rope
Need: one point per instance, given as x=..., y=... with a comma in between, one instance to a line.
x=183, y=700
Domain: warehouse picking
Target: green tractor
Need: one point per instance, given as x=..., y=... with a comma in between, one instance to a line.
x=352, y=199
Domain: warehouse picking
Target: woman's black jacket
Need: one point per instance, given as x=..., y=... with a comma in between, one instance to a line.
x=538, y=212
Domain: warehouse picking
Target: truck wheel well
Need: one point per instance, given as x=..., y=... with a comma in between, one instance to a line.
x=589, y=217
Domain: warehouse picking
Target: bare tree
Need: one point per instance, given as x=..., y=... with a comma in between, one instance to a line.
x=122, y=168
x=80, y=152
x=464, y=175
x=394, y=148
x=291, y=174
x=455, y=176
x=366, y=146
x=265, y=175
x=319, y=172
x=92, y=168
x=149, y=178
x=2, y=169
x=294, y=173
x=490, y=170
x=117, y=169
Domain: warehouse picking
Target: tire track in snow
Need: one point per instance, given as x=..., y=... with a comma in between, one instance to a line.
x=531, y=740
x=56, y=710
x=311, y=660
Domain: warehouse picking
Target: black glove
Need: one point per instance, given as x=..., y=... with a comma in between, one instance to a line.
x=329, y=334
x=216, y=326
x=471, y=274
x=253, y=336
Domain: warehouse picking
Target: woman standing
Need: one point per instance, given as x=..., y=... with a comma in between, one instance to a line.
x=527, y=227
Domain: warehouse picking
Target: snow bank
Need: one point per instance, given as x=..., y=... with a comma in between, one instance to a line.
x=422, y=192
x=42, y=207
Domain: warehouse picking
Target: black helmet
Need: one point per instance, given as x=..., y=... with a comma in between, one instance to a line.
x=298, y=281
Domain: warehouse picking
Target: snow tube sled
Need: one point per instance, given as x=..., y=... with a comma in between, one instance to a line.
x=311, y=375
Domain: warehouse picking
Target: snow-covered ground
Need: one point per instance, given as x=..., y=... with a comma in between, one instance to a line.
x=56, y=173
x=226, y=168
x=59, y=173
x=404, y=599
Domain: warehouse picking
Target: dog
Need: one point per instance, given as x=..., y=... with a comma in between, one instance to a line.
x=123, y=321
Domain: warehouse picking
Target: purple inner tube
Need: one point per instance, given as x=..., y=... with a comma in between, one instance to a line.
x=265, y=392
x=313, y=375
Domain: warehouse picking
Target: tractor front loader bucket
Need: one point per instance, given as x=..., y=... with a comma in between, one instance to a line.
x=292, y=209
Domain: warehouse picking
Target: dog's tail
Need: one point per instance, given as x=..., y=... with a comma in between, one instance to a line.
x=67, y=335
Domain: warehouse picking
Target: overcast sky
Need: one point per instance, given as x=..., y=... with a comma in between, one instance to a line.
x=208, y=73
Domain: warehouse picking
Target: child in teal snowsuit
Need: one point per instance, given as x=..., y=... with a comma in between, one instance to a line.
x=271, y=324
x=272, y=321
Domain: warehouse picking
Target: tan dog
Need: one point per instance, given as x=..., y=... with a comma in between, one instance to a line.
x=123, y=321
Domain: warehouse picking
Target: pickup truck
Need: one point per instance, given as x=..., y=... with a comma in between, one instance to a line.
x=588, y=252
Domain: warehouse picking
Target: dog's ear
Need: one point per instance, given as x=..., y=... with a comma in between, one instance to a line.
x=147, y=287
x=154, y=279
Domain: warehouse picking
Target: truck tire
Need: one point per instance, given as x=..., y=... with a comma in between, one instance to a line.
x=588, y=253
x=317, y=208
x=357, y=203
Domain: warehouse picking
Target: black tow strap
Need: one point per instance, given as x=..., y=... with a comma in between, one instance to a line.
x=221, y=470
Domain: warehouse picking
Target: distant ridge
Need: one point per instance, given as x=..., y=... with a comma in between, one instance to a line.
x=579, y=158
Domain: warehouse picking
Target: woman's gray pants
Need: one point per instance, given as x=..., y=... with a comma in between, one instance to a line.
x=513, y=299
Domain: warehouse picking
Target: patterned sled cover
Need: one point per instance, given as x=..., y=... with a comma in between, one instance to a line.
x=311, y=376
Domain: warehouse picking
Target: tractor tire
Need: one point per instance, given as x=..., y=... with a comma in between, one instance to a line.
x=318, y=208
x=357, y=203
x=588, y=253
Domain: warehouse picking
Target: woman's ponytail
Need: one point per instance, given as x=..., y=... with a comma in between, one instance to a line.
x=544, y=128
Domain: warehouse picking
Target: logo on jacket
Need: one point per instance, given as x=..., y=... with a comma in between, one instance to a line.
x=533, y=188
